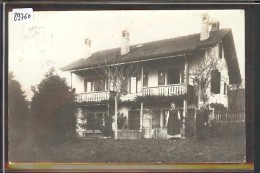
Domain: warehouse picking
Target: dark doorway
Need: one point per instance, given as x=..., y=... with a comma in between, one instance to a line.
x=173, y=76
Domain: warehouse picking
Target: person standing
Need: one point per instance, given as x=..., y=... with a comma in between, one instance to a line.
x=202, y=123
x=174, y=124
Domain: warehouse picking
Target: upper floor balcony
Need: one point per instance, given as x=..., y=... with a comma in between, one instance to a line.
x=165, y=90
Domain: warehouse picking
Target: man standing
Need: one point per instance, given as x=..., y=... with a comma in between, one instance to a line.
x=202, y=122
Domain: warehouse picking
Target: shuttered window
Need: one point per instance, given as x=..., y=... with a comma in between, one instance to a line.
x=215, y=81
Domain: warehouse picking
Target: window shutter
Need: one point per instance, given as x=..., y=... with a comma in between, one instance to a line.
x=220, y=50
x=87, y=85
x=133, y=85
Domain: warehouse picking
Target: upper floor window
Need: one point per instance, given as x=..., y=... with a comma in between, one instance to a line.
x=145, y=79
x=94, y=85
x=161, y=77
x=220, y=50
x=215, y=81
x=99, y=84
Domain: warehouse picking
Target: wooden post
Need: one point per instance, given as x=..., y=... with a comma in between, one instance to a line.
x=142, y=79
x=71, y=80
x=142, y=104
x=161, y=119
x=185, y=102
x=116, y=116
x=141, y=119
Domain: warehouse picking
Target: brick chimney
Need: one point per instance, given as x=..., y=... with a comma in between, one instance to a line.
x=88, y=48
x=125, y=47
x=214, y=25
x=204, y=34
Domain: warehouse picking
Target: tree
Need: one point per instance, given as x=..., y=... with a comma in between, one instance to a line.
x=18, y=113
x=205, y=73
x=118, y=77
x=53, y=110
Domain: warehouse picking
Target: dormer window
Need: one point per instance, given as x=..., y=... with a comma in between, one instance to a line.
x=204, y=19
x=125, y=34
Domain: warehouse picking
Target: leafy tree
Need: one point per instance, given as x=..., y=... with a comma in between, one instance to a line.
x=18, y=113
x=118, y=77
x=53, y=110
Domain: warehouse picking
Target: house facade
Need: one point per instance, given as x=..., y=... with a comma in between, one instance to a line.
x=146, y=78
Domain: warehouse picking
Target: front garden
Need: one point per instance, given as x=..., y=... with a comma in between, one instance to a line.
x=217, y=149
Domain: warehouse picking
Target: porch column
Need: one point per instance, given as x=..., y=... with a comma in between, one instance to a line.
x=141, y=116
x=70, y=80
x=142, y=78
x=161, y=119
x=185, y=102
x=142, y=104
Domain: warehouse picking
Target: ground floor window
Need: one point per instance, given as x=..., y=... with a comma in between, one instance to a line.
x=134, y=120
x=95, y=121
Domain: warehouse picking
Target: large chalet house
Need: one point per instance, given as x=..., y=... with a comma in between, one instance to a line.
x=152, y=76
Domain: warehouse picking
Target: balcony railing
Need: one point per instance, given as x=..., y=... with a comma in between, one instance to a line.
x=165, y=90
x=92, y=97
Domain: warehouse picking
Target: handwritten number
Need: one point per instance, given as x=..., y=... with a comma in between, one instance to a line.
x=21, y=16
x=15, y=16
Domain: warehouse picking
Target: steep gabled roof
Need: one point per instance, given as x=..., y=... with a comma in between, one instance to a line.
x=152, y=50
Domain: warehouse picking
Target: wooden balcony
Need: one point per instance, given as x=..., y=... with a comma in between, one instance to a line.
x=92, y=97
x=165, y=90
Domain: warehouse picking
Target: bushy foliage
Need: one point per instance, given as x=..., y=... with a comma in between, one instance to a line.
x=18, y=112
x=53, y=110
x=219, y=108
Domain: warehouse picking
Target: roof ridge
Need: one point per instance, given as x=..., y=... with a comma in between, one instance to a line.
x=156, y=41
x=163, y=47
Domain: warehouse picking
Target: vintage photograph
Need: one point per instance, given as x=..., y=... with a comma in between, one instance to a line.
x=126, y=86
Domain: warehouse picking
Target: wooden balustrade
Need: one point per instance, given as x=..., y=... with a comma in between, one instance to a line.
x=92, y=97
x=166, y=90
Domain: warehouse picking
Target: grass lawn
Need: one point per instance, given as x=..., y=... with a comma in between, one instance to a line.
x=217, y=149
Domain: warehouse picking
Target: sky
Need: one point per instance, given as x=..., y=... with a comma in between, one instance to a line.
x=56, y=38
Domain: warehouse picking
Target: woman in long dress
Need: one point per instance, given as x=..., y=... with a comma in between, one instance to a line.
x=173, y=127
